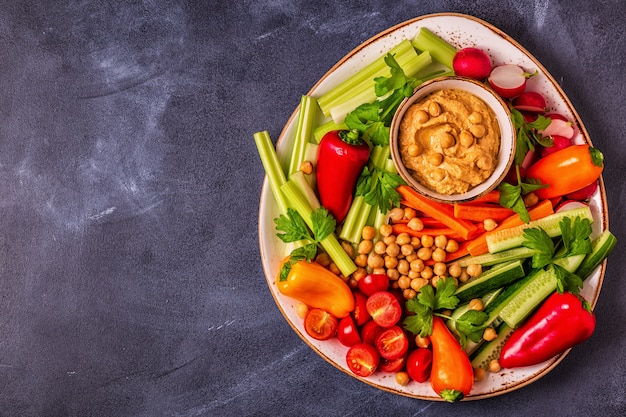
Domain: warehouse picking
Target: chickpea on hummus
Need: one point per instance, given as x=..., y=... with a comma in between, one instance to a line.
x=449, y=141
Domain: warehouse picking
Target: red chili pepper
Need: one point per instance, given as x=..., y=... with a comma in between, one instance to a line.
x=567, y=170
x=562, y=321
x=340, y=159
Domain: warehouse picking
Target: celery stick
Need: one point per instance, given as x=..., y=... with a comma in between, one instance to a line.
x=329, y=126
x=330, y=244
x=305, y=188
x=355, y=220
x=306, y=120
x=273, y=169
x=441, y=51
x=403, y=52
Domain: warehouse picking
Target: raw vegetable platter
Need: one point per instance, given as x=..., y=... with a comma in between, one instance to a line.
x=460, y=31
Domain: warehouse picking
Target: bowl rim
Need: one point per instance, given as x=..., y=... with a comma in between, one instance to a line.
x=508, y=138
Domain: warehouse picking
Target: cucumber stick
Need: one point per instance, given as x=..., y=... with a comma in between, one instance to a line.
x=490, y=259
x=513, y=237
x=534, y=291
x=600, y=249
x=489, y=351
x=490, y=280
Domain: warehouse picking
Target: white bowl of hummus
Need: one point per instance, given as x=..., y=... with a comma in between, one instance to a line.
x=453, y=140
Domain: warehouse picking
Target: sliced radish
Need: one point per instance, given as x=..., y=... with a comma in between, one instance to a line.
x=558, y=142
x=584, y=193
x=559, y=126
x=530, y=101
x=529, y=159
x=508, y=80
x=472, y=63
x=569, y=205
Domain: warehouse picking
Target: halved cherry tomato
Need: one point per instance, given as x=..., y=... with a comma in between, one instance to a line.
x=361, y=316
x=348, y=332
x=419, y=363
x=320, y=325
x=392, y=343
x=372, y=283
x=392, y=365
x=384, y=308
x=370, y=332
x=362, y=359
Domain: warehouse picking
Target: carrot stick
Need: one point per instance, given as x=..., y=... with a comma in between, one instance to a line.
x=478, y=246
x=427, y=231
x=492, y=196
x=480, y=212
x=440, y=211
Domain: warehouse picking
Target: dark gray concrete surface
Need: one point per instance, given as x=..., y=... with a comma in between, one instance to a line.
x=130, y=273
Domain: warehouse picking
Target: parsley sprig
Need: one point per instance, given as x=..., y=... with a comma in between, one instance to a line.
x=294, y=229
x=575, y=240
x=528, y=135
x=512, y=195
x=430, y=301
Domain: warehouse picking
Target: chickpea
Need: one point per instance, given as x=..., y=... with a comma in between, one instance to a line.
x=434, y=109
x=427, y=241
x=489, y=334
x=404, y=282
x=393, y=250
x=413, y=274
x=409, y=293
x=438, y=174
x=361, y=260
x=435, y=159
x=441, y=241
x=385, y=229
x=474, y=270
x=415, y=224
x=490, y=224
x=323, y=259
x=476, y=304
x=379, y=271
x=418, y=283
x=365, y=247
x=359, y=274
x=422, y=341
x=475, y=117
x=380, y=247
x=494, y=366
x=447, y=141
x=409, y=213
x=452, y=246
x=396, y=214
x=302, y=310
x=388, y=240
x=416, y=242
x=479, y=374
x=424, y=253
x=421, y=116
x=530, y=199
x=368, y=233
x=466, y=139
x=374, y=261
x=403, y=266
x=407, y=250
x=427, y=273
x=439, y=268
x=485, y=162
x=417, y=265
x=347, y=246
x=334, y=268
x=438, y=255
x=403, y=238
x=410, y=258
x=402, y=378
x=435, y=280
x=391, y=262
x=414, y=149
x=306, y=167
x=478, y=130
x=454, y=270
x=393, y=274
x=464, y=277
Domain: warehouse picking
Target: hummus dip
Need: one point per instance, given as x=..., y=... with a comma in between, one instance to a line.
x=449, y=141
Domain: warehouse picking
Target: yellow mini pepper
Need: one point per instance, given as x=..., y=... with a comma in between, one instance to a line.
x=316, y=286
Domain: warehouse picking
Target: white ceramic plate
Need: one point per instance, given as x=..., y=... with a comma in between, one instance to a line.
x=461, y=31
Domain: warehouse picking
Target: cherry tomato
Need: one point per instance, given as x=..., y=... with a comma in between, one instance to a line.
x=419, y=363
x=392, y=343
x=384, y=308
x=392, y=365
x=372, y=283
x=370, y=332
x=362, y=359
x=361, y=316
x=348, y=332
x=320, y=324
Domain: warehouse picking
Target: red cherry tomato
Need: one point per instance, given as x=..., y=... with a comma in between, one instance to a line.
x=419, y=363
x=384, y=308
x=320, y=324
x=372, y=283
x=392, y=343
x=392, y=365
x=370, y=332
x=348, y=332
x=362, y=359
x=361, y=316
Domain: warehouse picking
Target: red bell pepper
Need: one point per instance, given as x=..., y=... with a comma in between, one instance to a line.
x=561, y=322
x=341, y=157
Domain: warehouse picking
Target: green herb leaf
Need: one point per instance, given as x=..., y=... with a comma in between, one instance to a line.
x=537, y=239
x=421, y=322
x=576, y=235
x=293, y=226
x=429, y=300
x=382, y=190
x=471, y=324
x=323, y=223
x=445, y=298
x=567, y=281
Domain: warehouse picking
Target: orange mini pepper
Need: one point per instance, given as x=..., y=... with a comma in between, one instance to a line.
x=316, y=286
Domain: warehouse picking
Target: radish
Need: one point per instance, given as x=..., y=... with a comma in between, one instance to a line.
x=472, y=63
x=584, y=193
x=509, y=80
x=559, y=126
x=558, y=142
x=530, y=101
x=569, y=205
